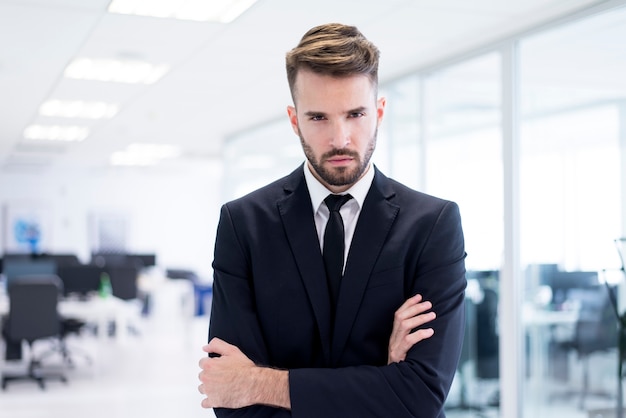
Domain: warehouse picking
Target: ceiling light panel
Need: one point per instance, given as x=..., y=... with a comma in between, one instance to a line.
x=222, y=11
x=119, y=71
x=66, y=133
x=78, y=109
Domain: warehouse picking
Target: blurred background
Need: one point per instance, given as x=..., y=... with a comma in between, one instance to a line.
x=124, y=125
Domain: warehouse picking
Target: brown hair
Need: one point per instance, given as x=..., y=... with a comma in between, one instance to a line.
x=333, y=49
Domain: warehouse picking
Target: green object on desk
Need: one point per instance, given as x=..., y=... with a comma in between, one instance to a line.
x=105, y=286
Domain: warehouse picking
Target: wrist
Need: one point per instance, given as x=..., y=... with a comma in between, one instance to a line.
x=270, y=387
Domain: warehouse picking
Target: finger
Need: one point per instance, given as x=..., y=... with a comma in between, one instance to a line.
x=420, y=308
x=206, y=403
x=215, y=341
x=410, y=302
x=413, y=310
x=417, y=321
x=200, y=389
x=419, y=335
x=204, y=362
x=218, y=346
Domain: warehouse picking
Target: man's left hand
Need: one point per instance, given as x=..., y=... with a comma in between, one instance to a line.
x=226, y=378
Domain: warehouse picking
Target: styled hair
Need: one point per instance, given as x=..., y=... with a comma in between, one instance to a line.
x=336, y=50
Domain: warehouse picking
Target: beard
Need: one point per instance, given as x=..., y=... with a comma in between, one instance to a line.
x=340, y=176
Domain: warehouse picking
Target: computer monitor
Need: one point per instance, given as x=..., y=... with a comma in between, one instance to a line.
x=562, y=282
x=108, y=259
x=80, y=280
x=64, y=259
x=16, y=267
x=145, y=260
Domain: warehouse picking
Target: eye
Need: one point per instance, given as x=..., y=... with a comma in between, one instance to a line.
x=356, y=115
x=317, y=117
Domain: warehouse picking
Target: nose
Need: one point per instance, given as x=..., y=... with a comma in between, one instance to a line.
x=340, y=134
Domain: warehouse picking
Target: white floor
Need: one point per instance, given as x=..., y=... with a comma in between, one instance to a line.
x=152, y=375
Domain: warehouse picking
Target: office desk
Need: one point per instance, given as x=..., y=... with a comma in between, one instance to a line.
x=97, y=311
x=102, y=312
x=538, y=323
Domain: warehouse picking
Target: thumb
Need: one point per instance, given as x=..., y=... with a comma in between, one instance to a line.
x=217, y=346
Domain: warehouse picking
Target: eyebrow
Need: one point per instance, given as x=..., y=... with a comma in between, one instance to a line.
x=359, y=109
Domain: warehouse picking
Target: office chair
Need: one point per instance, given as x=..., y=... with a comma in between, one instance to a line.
x=468, y=354
x=481, y=340
x=202, y=292
x=124, y=281
x=595, y=331
x=124, y=286
x=33, y=316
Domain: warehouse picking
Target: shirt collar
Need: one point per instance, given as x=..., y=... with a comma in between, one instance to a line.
x=318, y=191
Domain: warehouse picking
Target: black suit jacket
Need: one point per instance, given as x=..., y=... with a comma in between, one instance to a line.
x=271, y=299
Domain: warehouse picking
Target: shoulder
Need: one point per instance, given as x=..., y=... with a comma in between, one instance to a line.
x=399, y=194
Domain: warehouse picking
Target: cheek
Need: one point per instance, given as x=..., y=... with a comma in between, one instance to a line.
x=314, y=135
x=363, y=134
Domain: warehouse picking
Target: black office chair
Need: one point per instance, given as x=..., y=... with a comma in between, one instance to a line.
x=595, y=331
x=69, y=326
x=33, y=316
x=481, y=341
x=124, y=286
x=468, y=354
x=124, y=281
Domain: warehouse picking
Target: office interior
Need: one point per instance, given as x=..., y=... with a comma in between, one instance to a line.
x=517, y=112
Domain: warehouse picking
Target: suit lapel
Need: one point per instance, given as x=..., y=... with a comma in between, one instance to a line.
x=297, y=216
x=375, y=221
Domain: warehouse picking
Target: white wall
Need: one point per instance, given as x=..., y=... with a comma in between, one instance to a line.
x=172, y=211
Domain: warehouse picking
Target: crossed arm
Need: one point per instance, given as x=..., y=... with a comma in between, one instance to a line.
x=232, y=380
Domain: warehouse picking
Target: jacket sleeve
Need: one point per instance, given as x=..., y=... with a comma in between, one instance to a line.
x=418, y=386
x=233, y=314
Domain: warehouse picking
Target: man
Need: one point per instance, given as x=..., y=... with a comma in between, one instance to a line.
x=279, y=344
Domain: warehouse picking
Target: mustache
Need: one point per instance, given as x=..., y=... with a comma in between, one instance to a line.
x=340, y=152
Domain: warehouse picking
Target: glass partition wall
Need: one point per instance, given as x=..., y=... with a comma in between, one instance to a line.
x=462, y=145
x=443, y=134
x=572, y=97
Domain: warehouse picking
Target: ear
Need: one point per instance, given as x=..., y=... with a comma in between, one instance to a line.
x=380, y=109
x=293, y=118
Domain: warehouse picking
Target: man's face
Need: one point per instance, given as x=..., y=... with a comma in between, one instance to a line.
x=337, y=121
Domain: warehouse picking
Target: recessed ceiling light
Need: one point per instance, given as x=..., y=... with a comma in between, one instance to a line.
x=120, y=71
x=223, y=11
x=67, y=133
x=78, y=109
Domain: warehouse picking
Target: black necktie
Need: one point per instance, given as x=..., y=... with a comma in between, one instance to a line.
x=334, y=244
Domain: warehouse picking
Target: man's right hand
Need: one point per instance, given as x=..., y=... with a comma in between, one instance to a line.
x=412, y=314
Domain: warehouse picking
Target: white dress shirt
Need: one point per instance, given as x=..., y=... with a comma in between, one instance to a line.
x=350, y=211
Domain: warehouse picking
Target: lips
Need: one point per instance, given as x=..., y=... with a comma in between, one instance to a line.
x=340, y=160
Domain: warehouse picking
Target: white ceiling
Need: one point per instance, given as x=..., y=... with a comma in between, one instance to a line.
x=224, y=78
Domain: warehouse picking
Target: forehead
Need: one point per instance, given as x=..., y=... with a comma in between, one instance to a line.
x=317, y=90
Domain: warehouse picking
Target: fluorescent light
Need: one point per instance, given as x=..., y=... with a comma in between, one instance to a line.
x=67, y=133
x=144, y=154
x=222, y=11
x=120, y=71
x=78, y=109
